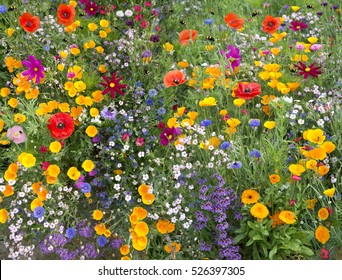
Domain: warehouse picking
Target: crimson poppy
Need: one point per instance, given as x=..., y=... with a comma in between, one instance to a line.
x=234, y=21
x=174, y=78
x=61, y=126
x=270, y=24
x=66, y=14
x=186, y=35
x=247, y=91
x=29, y=23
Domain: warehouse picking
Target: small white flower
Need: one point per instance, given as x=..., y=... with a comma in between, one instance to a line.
x=128, y=13
x=120, y=14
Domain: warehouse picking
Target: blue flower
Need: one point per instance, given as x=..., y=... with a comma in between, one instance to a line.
x=38, y=212
x=149, y=102
x=138, y=84
x=85, y=188
x=254, y=122
x=101, y=241
x=206, y=122
x=3, y=9
x=152, y=93
x=161, y=111
x=225, y=145
x=70, y=233
x=209, y=21
x=255, y=153
x=236, y=164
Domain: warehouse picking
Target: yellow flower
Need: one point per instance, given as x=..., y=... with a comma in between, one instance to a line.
x=3, y=216
x=64, y=107
x=102, y=68
x=13, y=102
x=27, y=159
x=322, y=170
x=317, y=153
x=310, y=203
x=73, y=3
x=183, y=64
x=288, y=217
x=295, y=8
x=9, y=190
x=274, y=178
x=75, y=51
x=35, y=203
x=312, y=40
x=10, y=32
x=80, y=86
x=97, y=215
x=293, y=86
x=91, y=131
x=63, y=54
x=168, y=47
x=148, y=198
x=100, y=229
x=173, y=247
x=92, y=26
x=270, y=124
x=55, y=147
x=125, y=258
x=141, y=228
x=239, y=102
x=329, y=192
x=103, y=34
x=315, y=136
x=94, y=112
x=328, y=147
x=165, y=226
x=259, y=211
x=53, y=170
x=2, y=123
x=323, y=214
x=322, y=234
x=88, y=165
x=99, y=49
x=5, y=91
x=139, y=243
x=140, y=212
x=207, y=102
x=296, y=169
x=275, y=51
x=143, y=189
x=104, y=23
x=73, y=173
x=249, y=196
x=311, y=164
x=124, y=250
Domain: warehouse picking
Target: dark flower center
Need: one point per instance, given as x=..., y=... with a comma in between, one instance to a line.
x=271, y=24
x=247, y=90
x=65, y=15
x=176, y=81
x=60, y=125
x=29, y=24
x=250, y=197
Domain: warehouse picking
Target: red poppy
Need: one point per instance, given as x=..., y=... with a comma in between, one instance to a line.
x=186, y=35
x=234, y=21
x=174, y=78
x=61, y=126
x=270, y=24
x=66, y=14
x=247, y=91
x=29, y=23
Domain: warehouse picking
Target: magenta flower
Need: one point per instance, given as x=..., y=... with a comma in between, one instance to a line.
x=298, y=26
x=16, y=134
x=168, y=135
x=140, y=141
x=307, y=71
x=113, y=85
x=35, y=69
x=91, y=8
x=232, y=54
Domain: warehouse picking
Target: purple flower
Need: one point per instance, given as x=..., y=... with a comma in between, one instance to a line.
x=38, y=212
x=224, y=145
x=236, y=164
x=109, y=114
x=232, y=55
x=168, y=135
x=91, y=8
x=298, y=26
x=155, y=38
x=16, y=134
x=146, y=54
x=85, y=187
x=254, y=153
x=35, y=69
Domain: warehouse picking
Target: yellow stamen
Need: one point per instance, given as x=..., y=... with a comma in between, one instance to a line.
x=111, y=85
x=307, y=69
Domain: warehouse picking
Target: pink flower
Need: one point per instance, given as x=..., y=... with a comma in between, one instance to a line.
x=43, y=149
x=329, y=210
x=137, y=8
x=324, y=254
x=140, y=141
x=45, y=165
x=16, y=134
x=296, y=178
x=148, y=4
x=293, y=202
x=125, y=137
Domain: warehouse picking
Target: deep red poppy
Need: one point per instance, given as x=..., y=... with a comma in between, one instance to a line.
x=29, y=23
x=61, y=126
x=247, y=90
x=66, y=14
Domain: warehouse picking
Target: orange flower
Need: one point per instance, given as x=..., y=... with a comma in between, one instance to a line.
x=270, y=24
x=66, y=14
x=29, y=23
x=274, y=178
x=174, y=78
x=234, y=21
x=186, y=35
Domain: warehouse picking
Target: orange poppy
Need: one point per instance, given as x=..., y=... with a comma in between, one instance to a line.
x=29, y=23
x=270, y=24
x=186, y=35
x=234, y=21
x=66, y=14
x=174, y=78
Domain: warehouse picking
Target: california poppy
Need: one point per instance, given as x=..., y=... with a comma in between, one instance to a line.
x=66, y=14
x=29, y=23
x=61, y=126
x=247, y=91
x=174, y=78
x=186, y=35
x=270, y=24
x=234, y=21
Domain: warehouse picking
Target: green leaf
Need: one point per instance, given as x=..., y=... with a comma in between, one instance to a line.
x=273, y=252
x=306, y=251
x=257, y=237
x=249, y=242
x=252, y=225
x=239, y=237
